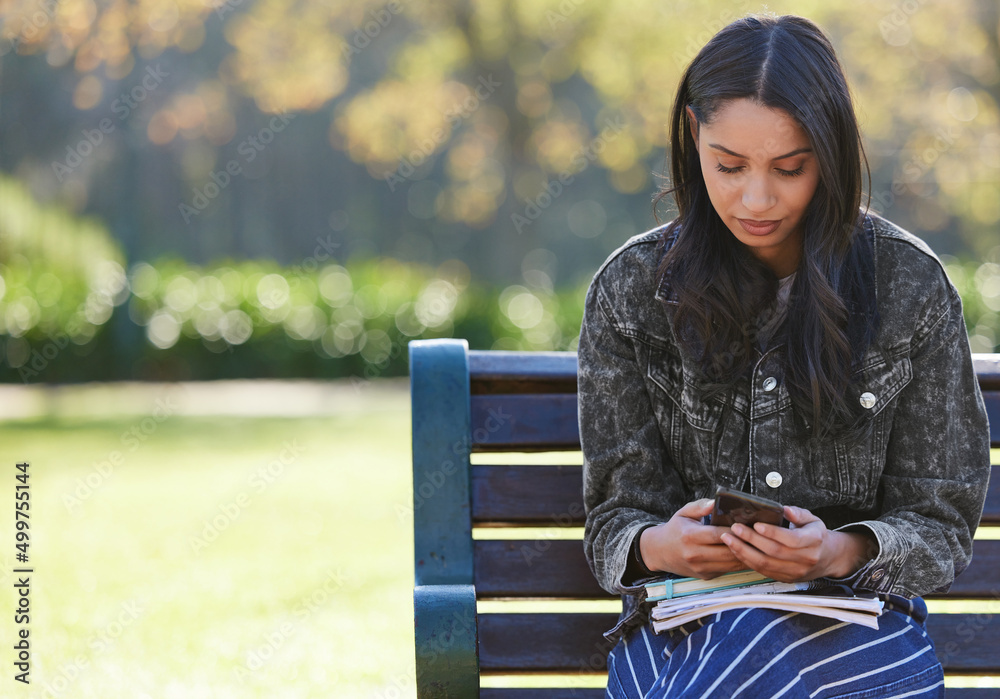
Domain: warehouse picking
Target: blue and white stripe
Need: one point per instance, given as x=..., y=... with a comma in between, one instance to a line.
x=765, y=653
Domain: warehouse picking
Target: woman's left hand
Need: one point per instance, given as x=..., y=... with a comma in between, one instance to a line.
x=805, y=551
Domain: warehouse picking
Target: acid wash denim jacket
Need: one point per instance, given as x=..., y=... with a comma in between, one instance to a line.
x=652, y=442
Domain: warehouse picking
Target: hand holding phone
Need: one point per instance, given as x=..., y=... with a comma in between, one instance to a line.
x=733, y=506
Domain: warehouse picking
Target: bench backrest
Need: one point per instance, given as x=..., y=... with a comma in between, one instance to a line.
x=466, y=402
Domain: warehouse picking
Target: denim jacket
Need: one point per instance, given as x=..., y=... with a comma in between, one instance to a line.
x=652, y=442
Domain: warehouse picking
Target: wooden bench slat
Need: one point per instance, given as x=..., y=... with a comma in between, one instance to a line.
x=991, y=511
x=548, y=421
x=528, y=495
x=534, y=568
x=992, y=400
x=548, y=693
x=979, y=580
x=966, y=643
x=503, y=369
x=558, y=569
x=522, y=372
x=525, y=422
x=987, y=368
x=511, y=643
x=547, y=495
x=500, y=365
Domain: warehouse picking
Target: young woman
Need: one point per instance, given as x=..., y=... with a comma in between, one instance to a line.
x=779, y=339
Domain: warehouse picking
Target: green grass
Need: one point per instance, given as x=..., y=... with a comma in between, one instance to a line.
x=305, y=591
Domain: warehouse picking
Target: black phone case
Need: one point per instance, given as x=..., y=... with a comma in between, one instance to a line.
x=733, y=506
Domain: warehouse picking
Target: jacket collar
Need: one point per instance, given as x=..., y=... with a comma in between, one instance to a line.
x=664, y=291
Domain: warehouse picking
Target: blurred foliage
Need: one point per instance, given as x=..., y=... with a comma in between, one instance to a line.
x=260, y=320
x=468, y=107
x=64, y=296
x=979, y=285
x=61, y=274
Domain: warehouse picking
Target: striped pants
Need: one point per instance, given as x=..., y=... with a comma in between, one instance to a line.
x=761, y=653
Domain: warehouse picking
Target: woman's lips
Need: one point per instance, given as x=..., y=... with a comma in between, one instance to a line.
x=758, y=227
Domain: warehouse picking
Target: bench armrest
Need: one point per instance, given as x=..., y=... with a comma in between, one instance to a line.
x=447, y=641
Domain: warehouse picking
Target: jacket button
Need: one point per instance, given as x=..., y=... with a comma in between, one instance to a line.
x=769, y=383
x=867, y=400
x=773, y=479
x=877, y=575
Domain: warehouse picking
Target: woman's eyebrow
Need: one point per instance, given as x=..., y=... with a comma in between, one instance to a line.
x=780, y=157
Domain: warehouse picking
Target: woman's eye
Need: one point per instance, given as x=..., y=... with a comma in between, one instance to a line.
x=728, y=170
x=791, y=173
x=785, y=173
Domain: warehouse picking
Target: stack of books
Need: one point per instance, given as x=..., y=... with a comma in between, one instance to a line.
x=680, y=600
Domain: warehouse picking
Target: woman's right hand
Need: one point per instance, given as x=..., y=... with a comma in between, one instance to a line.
x=684, y=546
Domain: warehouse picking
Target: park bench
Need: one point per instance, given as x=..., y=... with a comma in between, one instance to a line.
x=465, y=402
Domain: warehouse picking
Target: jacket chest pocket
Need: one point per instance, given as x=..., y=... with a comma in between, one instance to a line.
x=690, y=423
x=850, y=469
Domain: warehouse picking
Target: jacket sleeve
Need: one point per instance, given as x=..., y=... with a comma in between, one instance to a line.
x=628, y=479
x=937, y=463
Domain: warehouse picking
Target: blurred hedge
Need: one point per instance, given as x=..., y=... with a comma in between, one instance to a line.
x=979, y=286
x=70, y=311
x=255, y=319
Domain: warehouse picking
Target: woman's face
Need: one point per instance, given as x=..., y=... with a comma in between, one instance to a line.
x=761, y=174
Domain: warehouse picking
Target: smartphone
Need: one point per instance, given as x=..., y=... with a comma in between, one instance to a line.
x=733, y=506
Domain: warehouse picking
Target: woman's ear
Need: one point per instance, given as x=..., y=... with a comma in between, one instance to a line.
x=693, y=123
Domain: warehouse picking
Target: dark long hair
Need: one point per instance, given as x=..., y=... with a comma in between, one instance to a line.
x=720, y=288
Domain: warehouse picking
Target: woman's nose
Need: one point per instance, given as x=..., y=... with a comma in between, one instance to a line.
x=757, y=195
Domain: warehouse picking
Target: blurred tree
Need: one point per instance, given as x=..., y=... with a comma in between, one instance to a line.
x=538, y=122
x=80, y=281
